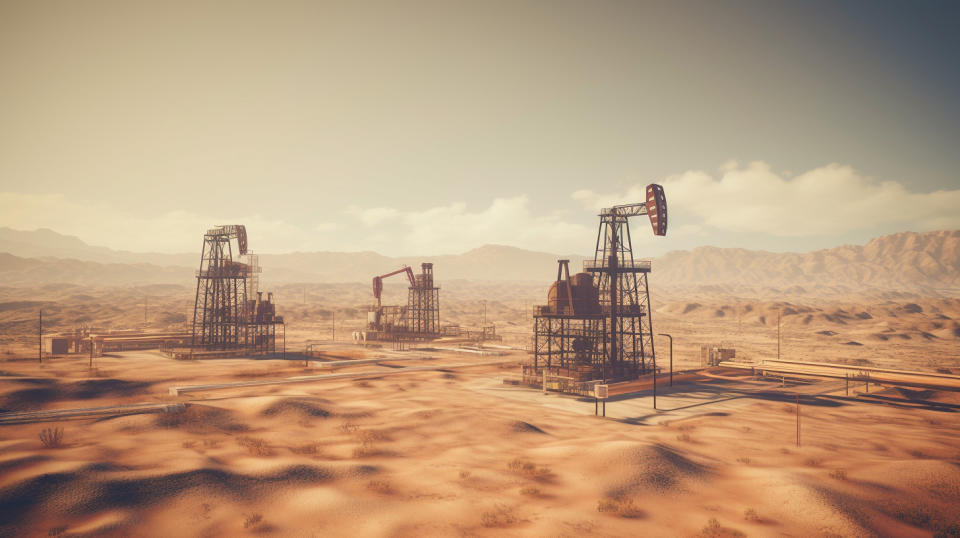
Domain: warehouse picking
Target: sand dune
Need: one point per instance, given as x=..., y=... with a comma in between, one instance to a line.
x=425, y=454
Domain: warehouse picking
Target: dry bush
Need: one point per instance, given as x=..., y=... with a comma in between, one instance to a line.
x=839, y=474
x=713, y=529
x=785, y=451
x=252, y=520
x=349, y=427
x=685, y=437
x=744, y=460
x=812, y=462
x=746, y=429
x=57, y=531
x=464, y=473
x=51, y=437
x=916, y=454
x=751, y=515
x=188, y=444
x=256, y=447
x=501, y=516
x=530, y=491
x=380, y=486
x=623, y=507
x=528, y=468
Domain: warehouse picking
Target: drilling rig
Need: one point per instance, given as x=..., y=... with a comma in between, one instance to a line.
x=419, y=319
x=597, y=325
x=229, y=312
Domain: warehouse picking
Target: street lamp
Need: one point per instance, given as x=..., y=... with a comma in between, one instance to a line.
x=671, y=356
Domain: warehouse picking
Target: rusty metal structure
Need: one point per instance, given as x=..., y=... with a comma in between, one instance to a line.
x=419, y=319
x=597, y=325
x=229, y=312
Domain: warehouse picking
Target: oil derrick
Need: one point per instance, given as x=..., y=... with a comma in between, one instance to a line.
x=420, y=318
x=623, y=285
x=597, y=325
x=423, y=304
x=218, y=311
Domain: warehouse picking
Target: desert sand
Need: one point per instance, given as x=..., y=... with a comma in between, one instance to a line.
x=456, y=452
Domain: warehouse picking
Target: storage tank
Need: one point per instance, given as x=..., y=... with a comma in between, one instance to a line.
x=586, y=299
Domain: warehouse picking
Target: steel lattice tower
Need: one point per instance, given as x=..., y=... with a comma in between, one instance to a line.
x=219, y=312
x=423, y=304
x=624, y=298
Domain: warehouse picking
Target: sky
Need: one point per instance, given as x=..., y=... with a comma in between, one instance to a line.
x=424, y=128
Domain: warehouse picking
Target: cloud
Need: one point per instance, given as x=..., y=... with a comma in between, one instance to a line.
x=444, y=229
x=830, y=200
x=454, y=228
x=173, y=231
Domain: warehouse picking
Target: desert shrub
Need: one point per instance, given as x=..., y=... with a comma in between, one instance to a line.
x=500, y=516
x=51, y=437
x=839, y=474
x=744, y=460
x=812, y=462
x=751, y=515
x=380, y=486
x=252, y=520
x=623, y=507
x=464, y=473
x=685, y=437
x=349, y=427
x=256, y=447
x=714, y=529
x=530, y=491
x=57, y=531
x=528, y=468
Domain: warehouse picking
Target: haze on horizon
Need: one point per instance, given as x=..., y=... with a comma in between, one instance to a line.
x=436, y=127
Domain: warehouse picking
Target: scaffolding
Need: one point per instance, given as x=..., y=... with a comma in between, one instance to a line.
x=423, y=304
x=597, y=325
x=624, y=297
x=419, y=319
x=229, y=312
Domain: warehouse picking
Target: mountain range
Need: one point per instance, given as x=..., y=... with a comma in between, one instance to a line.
x=928, y=261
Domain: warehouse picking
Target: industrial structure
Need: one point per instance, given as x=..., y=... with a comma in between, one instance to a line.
x=229, y=313
x=419, y=319
x=95, y=342
x=597, y=325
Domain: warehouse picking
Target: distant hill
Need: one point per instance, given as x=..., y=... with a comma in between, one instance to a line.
x=48, y=243
x=904, y=261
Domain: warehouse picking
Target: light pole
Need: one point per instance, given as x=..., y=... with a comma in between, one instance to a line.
x=671, y=356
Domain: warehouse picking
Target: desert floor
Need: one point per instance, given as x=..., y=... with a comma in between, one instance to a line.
x=453, y=451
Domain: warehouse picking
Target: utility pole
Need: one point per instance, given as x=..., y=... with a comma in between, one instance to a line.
x=798, y=419
x=333, y=327
x=671, y=356
x=40, y=338
x=654, y=381
x=484, y=313
x=778, y=334
x=145, y=299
